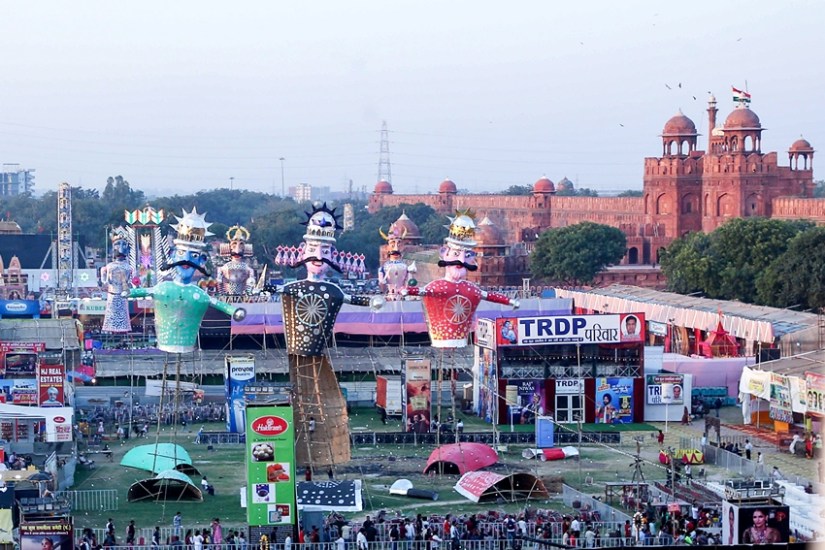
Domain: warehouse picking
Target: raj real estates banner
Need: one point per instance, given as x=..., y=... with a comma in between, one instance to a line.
x=270, y=465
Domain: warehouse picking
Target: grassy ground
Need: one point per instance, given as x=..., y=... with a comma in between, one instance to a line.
x=377, y=467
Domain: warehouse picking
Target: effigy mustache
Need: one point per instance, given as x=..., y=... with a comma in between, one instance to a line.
x=457, y=263
x=186, y=263
x=327, y=261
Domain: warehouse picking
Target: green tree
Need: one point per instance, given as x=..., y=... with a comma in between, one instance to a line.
x=518, y=190
x=577, y=253
x=631, y=193
x=689, y=263
x=819, y=189
x=797, y=277
x=583, y=192
x=727, y=263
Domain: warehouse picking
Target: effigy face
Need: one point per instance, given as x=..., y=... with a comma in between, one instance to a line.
x=318, y=257
x=457, y=261
x=121, y=248
x=186, y=262
x=395, y=275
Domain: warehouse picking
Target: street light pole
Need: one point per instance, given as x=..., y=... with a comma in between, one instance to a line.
x=283, y=189
x=231, y=183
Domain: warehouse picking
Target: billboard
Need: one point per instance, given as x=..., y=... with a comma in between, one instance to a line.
x=51, y=382
x=416, y=394
x=526, y=400
x=815, y=394
x=487, y=405
x=270, y=465
x=763, y=524
x=486, y=333
x=19, y=359
x=46, y=536
x=614, y=400
x=570, y=329
x=665, y=389
x=238, y=372
x=59, y=424
x=780, y=401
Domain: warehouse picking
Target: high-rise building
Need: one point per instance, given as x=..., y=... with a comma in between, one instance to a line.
x=15, y=180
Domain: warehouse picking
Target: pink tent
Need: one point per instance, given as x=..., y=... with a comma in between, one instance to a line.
x=460, y=458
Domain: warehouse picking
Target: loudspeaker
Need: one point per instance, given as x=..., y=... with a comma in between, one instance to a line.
x=770, y=354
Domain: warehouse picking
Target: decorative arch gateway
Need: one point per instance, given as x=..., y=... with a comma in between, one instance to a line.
x=753, y=205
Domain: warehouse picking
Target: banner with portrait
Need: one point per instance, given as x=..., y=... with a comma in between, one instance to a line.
x=768, y=524
x=416, y=394
x=780, y=401
x=614, y=401
x=46, y=536
x=815, y=393
x=487, y=403
x=526, y=401
x=51, y=381
x=665, y=389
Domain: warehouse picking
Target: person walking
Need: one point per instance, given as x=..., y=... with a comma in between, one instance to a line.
x=748, y=448
x=177, y=524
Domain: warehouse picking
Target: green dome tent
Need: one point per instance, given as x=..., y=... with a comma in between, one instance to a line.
x=159, y=458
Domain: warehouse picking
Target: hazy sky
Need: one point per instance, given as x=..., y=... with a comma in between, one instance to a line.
x=178, y=96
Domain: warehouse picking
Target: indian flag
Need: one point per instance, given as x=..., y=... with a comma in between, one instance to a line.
x=740, y=96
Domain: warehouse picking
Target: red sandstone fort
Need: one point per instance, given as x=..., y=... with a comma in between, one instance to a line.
x=685, y=190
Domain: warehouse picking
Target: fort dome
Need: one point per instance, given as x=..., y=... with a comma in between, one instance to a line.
x=383, y=187
x=564, y=184
x=544, y=185
x=742, y=118
x=801, y=146
x=406, y=228
x=447, y=186
x=679, y=125
x=488, y=234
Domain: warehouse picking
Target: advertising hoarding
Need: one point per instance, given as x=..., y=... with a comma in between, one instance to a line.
x=614, y=400
x=270, y=465
x=416, y=394
x=815, y=394
x=487, y=405
x=19, y=359
x=526, y=400
x=59, y=424
x=570, y=329
x=763, y=524
x=486, y=333
x=51, y=382
x=46, y=536
x=238, y=373
x=780, y=401
x=665, y=389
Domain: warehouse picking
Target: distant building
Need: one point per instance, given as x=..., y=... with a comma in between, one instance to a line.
x=685, y=190
x=308, y=192
x=15, y=181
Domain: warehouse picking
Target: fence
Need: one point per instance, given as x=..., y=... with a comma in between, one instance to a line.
x=609, y=515
x=94, y=499
x=738, y=464
x=601, y=541
x=504, y=438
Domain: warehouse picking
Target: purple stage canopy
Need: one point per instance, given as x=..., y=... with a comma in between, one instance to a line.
x=393, y=319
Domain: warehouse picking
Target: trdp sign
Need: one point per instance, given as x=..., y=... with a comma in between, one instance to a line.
x=270, y=465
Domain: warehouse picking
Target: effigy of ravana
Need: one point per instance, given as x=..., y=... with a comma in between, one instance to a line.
x=179, y=303
x=310, y=307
